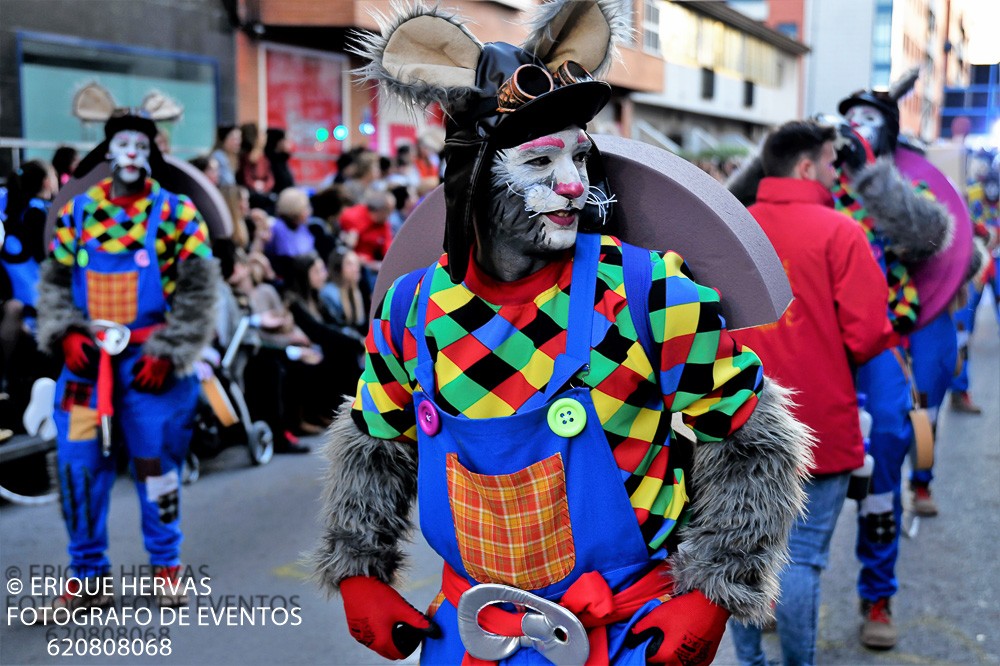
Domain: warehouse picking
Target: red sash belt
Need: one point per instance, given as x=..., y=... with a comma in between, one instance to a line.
x=589, y=598
x=105, y=375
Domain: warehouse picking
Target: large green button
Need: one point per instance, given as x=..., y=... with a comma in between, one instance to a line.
x=567, y=418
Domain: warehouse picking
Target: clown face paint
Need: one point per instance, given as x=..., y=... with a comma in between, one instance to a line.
x=539, y=189
x=128, y=152
x=867, y=121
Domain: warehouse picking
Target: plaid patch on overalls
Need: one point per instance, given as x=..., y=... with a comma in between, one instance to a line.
x=515, y=528
x=113, y=296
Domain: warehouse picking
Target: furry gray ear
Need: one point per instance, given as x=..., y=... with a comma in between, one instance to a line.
x=899, y=88
x=422, y=56
x=585, y=31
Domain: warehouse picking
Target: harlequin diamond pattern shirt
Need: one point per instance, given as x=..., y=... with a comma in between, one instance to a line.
x=119, y=225
x=494, y=346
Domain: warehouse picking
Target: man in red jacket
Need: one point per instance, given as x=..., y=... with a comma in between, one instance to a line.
x=836, y=321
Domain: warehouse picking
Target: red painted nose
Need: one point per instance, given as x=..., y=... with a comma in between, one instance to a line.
x=571, y=190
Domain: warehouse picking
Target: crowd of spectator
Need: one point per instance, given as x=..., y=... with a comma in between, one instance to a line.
x=303, y=259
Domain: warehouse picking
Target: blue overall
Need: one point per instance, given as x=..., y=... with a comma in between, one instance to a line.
x=934, y=351
x=154, y=428
x=22, y=268
x=880, y=513
x=601, y=530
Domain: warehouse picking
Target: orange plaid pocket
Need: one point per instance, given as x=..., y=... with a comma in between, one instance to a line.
x=113, y=296
x=515, y=528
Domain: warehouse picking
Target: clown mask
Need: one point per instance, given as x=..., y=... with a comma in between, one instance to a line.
x=867, y=121
x=539, y=189
x=128, y=153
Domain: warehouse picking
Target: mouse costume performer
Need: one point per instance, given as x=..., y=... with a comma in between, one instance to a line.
x=924, y=249
x=127, y=295
x=521, y=390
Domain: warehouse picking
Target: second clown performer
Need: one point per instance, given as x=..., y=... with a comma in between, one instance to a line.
x=522, y=394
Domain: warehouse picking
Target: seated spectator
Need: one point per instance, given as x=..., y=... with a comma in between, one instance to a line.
x=344, y=296
x=208, y=165
x=427, y=159
x=325, y=223
x=365, y=171
x=255, y=169
x=227, y=153
x=29, y=193
x=277, y=150
x=290, y=235
x=64, y=161
x=342, y=346
x=367, y=231
x=277, y=345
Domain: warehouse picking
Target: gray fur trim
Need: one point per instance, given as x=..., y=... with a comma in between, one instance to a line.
x=191, y=322
x=916, y=227
x=899, y=88
x=979, y=262
x=370, y=487
x=748, y=493
x=616, y=12
x=56, y=311
x=746, y=179
x=371, y=47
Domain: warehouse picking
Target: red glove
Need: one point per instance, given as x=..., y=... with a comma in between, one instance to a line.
x=151, y=373
x=381, y=620
x=685, y=630
x=81, y=353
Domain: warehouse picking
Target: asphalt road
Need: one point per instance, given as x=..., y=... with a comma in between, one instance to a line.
x=247, y=528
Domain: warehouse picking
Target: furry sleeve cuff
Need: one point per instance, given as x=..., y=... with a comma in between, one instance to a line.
x=916, y=227
x=371, y=485
x=191, y=322
x=56, y=311
x=748, y=493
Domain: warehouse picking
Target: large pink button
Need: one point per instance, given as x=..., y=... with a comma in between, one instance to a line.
x=428, y=419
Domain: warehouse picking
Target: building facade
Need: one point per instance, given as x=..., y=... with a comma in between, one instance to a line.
x=121, y=53
x=727, y=78
x=884, y=39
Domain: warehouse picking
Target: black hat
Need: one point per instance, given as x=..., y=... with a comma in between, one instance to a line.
x=124, y=119
x=886, y=101
x=497, y=95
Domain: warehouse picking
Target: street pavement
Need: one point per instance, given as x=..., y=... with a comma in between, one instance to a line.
x=246, y=530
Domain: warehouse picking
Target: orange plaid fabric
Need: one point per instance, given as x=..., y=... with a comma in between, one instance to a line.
x=113, y=296
x=515, y=528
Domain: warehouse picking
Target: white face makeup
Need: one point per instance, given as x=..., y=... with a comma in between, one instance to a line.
x=539, y=189
x=866, y=121
x=128, y=152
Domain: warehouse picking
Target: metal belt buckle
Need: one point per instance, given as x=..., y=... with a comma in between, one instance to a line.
x=555, y=632
x=115, y=338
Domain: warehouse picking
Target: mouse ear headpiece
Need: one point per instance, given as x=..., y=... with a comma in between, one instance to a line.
x=887, y=103
x=496, y=95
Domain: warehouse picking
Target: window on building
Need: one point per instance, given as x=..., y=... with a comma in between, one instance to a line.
x=748, y=94
x=790, y=30
x=651, y=26
x=882, y=43
x=707, y=83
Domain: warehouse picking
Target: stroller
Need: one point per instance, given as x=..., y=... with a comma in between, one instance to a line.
x=223, y=419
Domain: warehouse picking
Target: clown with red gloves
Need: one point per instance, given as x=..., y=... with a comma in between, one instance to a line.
x=127, y=297
x=521, y=389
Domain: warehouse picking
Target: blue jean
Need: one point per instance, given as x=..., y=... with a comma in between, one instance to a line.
x=798, y=607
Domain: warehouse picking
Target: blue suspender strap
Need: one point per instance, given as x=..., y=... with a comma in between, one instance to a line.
x=154, y=215
x=581, y=314
x=399, y=306
x=425, y=365
x=637, y=273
